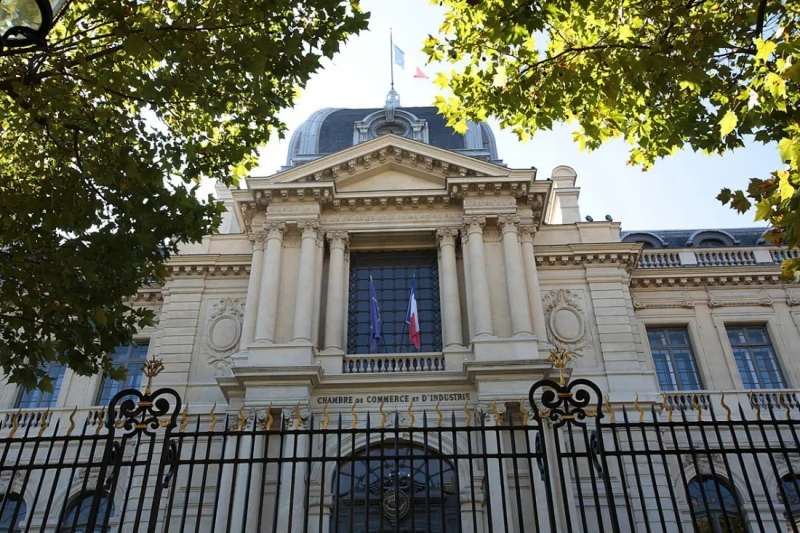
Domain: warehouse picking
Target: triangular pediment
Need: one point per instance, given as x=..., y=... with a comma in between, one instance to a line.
x=385, y=163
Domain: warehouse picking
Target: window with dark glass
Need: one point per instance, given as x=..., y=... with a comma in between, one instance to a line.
x=755, y=358
x=715, y=507
x=392, y=276
x=39, y=399
x=673, y=359
x=14, y=511
x=131, y=357
x=79, y=512
x=791, y=491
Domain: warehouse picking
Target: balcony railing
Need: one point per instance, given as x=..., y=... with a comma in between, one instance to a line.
x=392, y=364
x=715, y=257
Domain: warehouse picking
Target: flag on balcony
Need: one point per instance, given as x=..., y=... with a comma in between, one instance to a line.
x=412, y=317
x=374, y=319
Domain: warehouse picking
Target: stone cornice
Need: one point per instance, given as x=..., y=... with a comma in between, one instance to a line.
x=712, y=302
x=610, y=254
x=707, y=276
x=208, y=265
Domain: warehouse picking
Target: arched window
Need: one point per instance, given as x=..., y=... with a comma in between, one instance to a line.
x=401, y=486
x=715, y=507
x=76, y=519
x=791, y=488
x=13, y=515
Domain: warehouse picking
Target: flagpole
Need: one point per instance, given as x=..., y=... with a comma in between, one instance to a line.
x=391, y=57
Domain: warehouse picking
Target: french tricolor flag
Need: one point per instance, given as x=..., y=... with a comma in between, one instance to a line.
x=412, y=317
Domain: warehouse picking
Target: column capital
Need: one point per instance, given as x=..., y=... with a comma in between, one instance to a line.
x=508, y=223
x=308, y=228
x=274, y=230
x=338, y=239
x=257, y=238
x=527, y=232
x=474, y=224
x=447, y=236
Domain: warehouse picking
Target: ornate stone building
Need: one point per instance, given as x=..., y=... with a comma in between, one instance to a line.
x=276, y=311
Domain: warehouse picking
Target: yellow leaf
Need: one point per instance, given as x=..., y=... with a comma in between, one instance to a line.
x=785, y=189
x=500, y=78
x=441, y=80
x=764, y=49
x=728, y=123
x=460, y=126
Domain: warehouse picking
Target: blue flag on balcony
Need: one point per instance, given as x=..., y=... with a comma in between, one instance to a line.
x=374, y=319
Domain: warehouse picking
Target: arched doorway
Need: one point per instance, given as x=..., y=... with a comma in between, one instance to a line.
x=395, y=486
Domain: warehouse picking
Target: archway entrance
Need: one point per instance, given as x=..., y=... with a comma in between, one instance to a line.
x=395, y=486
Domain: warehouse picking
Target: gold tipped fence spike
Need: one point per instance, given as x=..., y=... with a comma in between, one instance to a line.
x=212, y=423
x=725, y=407
x=524, y=413
x=72, y=420
x=439, y=414
x=152, y=368
x=638, y=407
x=269, y=418
x=609, y=410
x=44, y=422
x=298, y=420
x=383, y=415
x=184, y=419
x=242, y=420
x=14, y=424
x=326, y=419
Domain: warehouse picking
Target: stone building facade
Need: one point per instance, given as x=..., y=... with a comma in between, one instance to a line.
x=275, y=310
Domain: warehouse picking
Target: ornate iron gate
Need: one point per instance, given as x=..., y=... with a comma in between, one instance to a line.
x=565, y=460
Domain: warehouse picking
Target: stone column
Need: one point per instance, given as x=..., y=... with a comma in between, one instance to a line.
x=334, y=310
x=304, y=295
x=516, y=284
x=534, y=290
x=481, y=308
x=450, y=296
x=253, y=284
x=270, y=283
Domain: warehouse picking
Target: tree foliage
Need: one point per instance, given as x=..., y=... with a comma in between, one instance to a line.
x=662, y=74
x=105, y=134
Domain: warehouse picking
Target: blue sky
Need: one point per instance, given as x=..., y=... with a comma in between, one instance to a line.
x=678, y=192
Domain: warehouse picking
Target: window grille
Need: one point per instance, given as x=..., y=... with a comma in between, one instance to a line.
x=392, y=274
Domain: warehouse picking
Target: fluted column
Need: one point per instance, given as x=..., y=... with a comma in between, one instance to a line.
x=270, y=283
x=450, y=297
x=253, y=284
x=515, y=277
x=304, y=294
x=334, y=310
x=532, y=276
x=481, y=308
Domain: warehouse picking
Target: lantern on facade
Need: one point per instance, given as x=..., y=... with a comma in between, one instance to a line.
x=26, y=23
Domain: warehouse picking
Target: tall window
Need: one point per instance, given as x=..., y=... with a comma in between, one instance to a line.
x=132, y=357
x=715, y=507
x=755, y=357
x=673, y=358
x=76, y=519
x=791, y=488
x=38, y=399
x=12, y=518
x=392, y=275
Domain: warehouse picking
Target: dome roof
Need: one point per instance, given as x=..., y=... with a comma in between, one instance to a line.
x=330, y=130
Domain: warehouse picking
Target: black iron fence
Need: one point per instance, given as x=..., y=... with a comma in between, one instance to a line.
x=562, y=460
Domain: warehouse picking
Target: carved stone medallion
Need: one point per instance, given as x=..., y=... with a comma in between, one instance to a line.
x=224, y=331
x=565, y=318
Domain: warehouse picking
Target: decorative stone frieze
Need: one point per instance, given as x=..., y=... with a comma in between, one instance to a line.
x=207, y=266
x=701, y=279
x=223, y=331
x=682, y=303
x=615, y=254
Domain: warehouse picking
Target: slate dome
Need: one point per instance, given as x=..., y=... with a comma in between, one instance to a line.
x=332, y=129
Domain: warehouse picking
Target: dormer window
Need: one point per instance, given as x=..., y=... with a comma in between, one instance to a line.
x=395, y=128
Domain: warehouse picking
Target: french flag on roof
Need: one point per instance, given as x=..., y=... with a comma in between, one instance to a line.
x=412, y=317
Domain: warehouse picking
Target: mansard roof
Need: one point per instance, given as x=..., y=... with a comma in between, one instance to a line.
x=688, y=238
x=331, y=130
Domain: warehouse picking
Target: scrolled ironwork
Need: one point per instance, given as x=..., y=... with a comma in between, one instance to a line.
x=571, y=403
x=134, y=411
